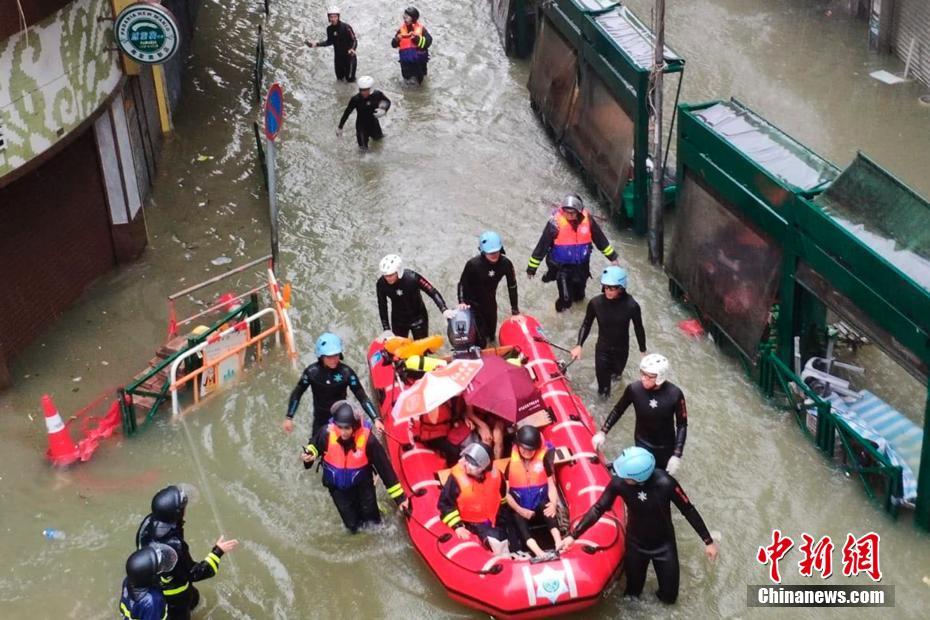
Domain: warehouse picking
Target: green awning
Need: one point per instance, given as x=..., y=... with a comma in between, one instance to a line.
x=883, y=213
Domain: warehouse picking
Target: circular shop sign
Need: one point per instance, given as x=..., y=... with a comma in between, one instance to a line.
x=147, y=33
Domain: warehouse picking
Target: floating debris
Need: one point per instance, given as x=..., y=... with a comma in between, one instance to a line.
x=221, y=260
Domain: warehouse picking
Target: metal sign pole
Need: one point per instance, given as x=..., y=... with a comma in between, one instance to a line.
x=272, y=198
x=656, y=232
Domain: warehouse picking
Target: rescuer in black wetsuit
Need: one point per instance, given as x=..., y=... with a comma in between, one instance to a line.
x=650, y=536
x=566, y=243
x=349, y=454
x=614, y=310
x=478, y=285
x=369, y=105
x=342, y=37
x=165, y=525
x=661, y=414
x=329, y=380
x=403, y=288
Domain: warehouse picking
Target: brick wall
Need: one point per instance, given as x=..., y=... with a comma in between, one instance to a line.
x=912, y=21
x=54, y=240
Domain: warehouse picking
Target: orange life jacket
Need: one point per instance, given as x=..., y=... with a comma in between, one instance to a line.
x=479, y=500
x=528, y=481
x=437, y=423
x=341, y=469
x=407, y=38
x=572, y=246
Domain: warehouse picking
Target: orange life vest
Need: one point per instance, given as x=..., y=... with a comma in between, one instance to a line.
x=528, y=481
x=408, y=35
x=437, y=423
x=572, y=246
x=341, y=469
x=479, y=500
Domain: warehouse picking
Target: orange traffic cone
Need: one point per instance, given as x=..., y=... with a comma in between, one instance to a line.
x=61, y=450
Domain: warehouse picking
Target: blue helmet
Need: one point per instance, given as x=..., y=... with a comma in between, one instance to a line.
x=636, y=463
x=328, y=344
x=613, y=276
x=489, y=242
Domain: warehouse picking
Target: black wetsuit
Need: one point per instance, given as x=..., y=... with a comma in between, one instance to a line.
x=650, y=535
x=571, y=279
x=478, y=289
x=358, y=504
x=366, y=124
x=661, y=419
x=327, y=387
x=408, y=313
x=342, y=38
x=413, y=62
x=448, y=505
x=177, y=586
x=613, y=335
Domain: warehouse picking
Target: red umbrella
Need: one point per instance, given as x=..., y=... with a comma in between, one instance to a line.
x=503, y=389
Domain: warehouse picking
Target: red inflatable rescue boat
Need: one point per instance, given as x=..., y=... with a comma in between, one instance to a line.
x=470, y=573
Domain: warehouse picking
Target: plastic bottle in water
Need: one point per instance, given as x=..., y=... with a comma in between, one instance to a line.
x=53, y=534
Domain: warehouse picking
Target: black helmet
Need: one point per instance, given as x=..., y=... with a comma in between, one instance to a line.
x=573, y=201
x=168, y=505
x=412, y=12
x=462, y=332
x=144, y=565
x=344, y=414
x=528, y=437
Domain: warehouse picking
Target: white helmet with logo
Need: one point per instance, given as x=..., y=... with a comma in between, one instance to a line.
x=391, y=264
x=333, y=10
x=655, y=364
x=365, y=82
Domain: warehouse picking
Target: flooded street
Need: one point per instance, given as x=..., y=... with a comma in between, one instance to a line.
x=461, y=155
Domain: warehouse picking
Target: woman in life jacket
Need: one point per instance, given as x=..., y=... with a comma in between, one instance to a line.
x=531, y=490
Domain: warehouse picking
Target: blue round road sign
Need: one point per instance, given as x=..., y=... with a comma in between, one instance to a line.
x=274, y=111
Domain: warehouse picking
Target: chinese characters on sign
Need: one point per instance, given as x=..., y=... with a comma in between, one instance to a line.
x=859, y=555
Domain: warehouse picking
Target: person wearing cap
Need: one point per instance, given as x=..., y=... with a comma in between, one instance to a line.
x=661, y=414
x=141, y=597
x=471, y=498
x=369, y=105
x=565, y=244
x=341, y=37
x=531, y=490
x=478, y=285
x=403, y=288
x=350, y=455
x=412, y=41
x=329, y=380
x=165, y=525
x=614, y=309
x=648, y=494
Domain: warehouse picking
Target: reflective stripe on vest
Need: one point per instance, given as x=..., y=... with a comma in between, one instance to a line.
x=528, y=481
x=437, y=423
x=410, y=51
x=572, y=246
x=479, y=500
x=174, y=591
x=340, y=468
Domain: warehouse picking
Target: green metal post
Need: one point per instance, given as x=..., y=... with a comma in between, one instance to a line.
x=787, y=322
x=922, y=511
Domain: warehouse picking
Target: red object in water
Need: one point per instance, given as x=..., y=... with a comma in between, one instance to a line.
x=61, y=449
x=503, y=587
x=503, y=389
x=691, y=327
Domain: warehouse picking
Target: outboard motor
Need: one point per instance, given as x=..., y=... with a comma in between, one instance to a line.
x=462, y=334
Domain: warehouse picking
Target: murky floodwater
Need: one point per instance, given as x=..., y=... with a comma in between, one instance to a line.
x=461, y=155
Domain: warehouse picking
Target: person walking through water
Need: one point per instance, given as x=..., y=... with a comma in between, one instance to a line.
x=478, y=285
x=141, y=597
x=648, y=494
x=661, y=414
x=341, y=37
x=165, y=525
x=565, y=243
x=412, y=41
x=369, y=105
x=329, y=380
x=349, y=453
x=403, y=288
x=614, y=310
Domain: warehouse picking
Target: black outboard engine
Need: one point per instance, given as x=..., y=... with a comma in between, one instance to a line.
x=463, y=334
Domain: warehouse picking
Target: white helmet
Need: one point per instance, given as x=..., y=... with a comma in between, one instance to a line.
x=365, y=82
x=655, y=364
x=333, y=10
x=391, y=264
